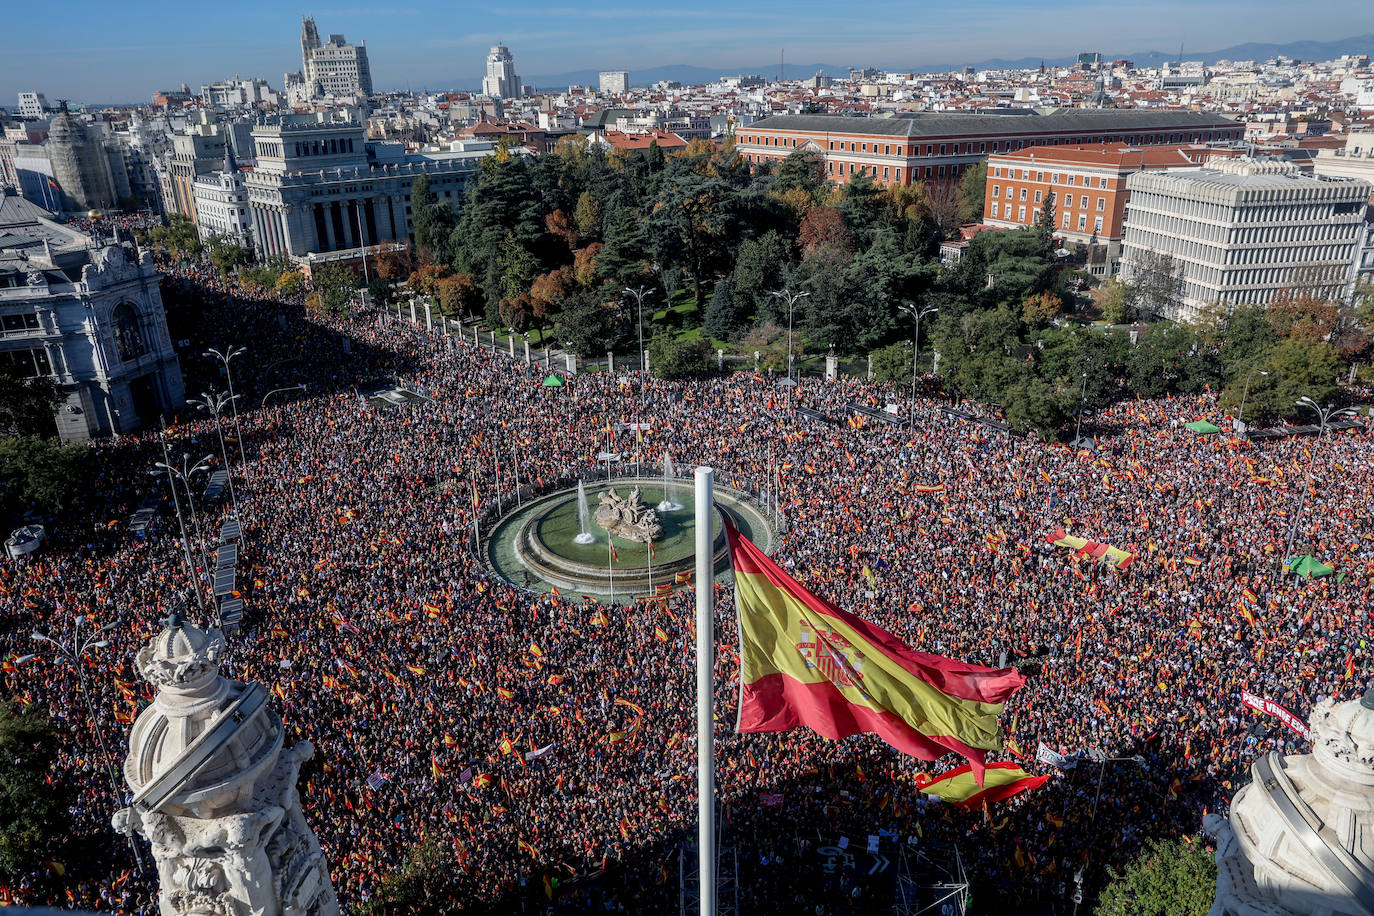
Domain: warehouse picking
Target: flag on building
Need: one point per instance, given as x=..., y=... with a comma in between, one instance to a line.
x=804, y=661
x=961, y=787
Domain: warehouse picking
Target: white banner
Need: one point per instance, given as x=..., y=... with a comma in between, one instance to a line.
x=542, y=752
x=1043, y=754
x=1269, y=707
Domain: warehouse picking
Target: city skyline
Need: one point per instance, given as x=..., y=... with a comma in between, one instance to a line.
x=422, y=46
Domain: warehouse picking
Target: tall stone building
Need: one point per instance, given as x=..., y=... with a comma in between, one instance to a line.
x=334, y=67
x=87, y=311
x=501, y=81
x=214, y=789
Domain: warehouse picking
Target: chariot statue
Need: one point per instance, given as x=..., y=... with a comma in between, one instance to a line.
x=627, y=518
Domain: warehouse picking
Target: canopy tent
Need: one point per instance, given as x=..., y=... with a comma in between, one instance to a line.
x=1308, y=567
x=554, y=381
x=1105, y=553
x=1203, y=428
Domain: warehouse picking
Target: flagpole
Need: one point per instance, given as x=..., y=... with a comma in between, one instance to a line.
x=706, y=587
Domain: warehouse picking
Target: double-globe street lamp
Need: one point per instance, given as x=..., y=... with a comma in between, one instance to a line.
x=916, y=313
x=184, y=474
x=226, y=356
x=1324, y=417
x=214, y=403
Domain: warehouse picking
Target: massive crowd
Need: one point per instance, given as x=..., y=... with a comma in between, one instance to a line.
x=354, y=525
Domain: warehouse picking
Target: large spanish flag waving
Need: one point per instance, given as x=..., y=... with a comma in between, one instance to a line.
x=804, y=661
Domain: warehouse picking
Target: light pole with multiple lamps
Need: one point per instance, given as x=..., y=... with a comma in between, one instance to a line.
x=639, y=295
x=213, y=403
x=791, y=299
x=916, y=313
x=226, y=357
x=1324, y=417
x=73, y=652
x=184, y=474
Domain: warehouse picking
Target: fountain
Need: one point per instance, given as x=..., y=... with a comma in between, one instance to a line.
x=670, y=503
x=584, y=518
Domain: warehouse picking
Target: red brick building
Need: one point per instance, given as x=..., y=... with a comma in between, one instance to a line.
x=938, y=146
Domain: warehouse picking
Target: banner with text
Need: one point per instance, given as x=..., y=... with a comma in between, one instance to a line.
x=1269, y=707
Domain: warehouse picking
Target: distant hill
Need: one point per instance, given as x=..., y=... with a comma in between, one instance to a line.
x=692, y=75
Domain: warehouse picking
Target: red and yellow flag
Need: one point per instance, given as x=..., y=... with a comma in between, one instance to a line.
x=804, y=661
x=961, y=786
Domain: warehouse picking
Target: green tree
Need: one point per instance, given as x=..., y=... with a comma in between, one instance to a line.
x=227, y=254
x=33, y=807
x=1155, y=281
x=417, y=886
x=1116, y=299
x=804, y=169
x=432, y=218
x=892, y=363
x=1044, y=223
x=589, y=326
x=587, y=216
x=674, y=358
x=1168, y=878
x=41, y=476
x=1170, y=357
x=724, y=317
x=760, y=266
x=1297, y=368
x=972, y=189
x=335, y=286
x=27, y=403
x=179, y=237
x=1245, y=335
x=692, y=223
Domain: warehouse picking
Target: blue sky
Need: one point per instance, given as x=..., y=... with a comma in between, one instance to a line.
x=123, y=52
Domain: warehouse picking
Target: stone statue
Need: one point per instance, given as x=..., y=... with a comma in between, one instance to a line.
x=1300, y=838
x=214, y=791
x=627, y=518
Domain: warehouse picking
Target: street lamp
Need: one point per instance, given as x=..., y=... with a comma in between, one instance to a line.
x=791, y=299
x=227, y=356
x=213, y=403
x=184, y=473
x=916, y=313
x=1324, y=417
x=639, y=295
x=73, y=652
x=1240, y=416
x=1082, y=400
x=297, y=387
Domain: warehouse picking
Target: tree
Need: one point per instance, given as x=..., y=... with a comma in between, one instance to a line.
x=418, y=886
x=1155, y=281
x=458, y=295
x=1044, y=223
x=724, y=317
x=41, y=476
x=431, y=217
x=1168, y=878
x=179, y=237
x=587, y=215
x=972, y=190
x=589, y=326
x=943, y=197
x=824, y=226
x=760, y=265
x=1297, y=368
x=803, y=170
x=893, y=363
x=1039, y=309
x=674, y=358
x=1116, y=299
x=334, y=285
x=1245, y=336
x=1301, y=312
x=227, y=254
x=1170, y=357
x=27, y=403
x=692, y=223
x=394, y=262
x=33, y=807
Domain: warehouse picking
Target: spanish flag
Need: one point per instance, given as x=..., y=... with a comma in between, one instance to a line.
x=804, y=661
x=415, y=670
x=961, y=786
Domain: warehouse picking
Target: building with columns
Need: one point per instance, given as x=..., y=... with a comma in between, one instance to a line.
x=1239, y=230
x=320, y=187
x=87, y=311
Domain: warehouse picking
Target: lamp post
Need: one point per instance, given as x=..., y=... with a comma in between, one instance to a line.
x=226, y=357
x=1082, y=399
x=73, y=652
x=214, y=403
x=639, y=295
x=296, y=387
x=1092, y=817
x=791, y=299
x=916, y=313
x=1324, y=416
x=184, y=473
x=1240, y=416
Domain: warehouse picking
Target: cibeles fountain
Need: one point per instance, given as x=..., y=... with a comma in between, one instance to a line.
x=620, y=537
x=214, y=790
x=1300, y=839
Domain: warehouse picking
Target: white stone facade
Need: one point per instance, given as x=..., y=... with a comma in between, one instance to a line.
x=222, y=207
x=214, y=790
x=1300, y=839
x=333, y=68
x=614, y=82
x=1239, y=230
x=501, y=81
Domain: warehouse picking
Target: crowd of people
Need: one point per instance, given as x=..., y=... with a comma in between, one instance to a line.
x=357, y=572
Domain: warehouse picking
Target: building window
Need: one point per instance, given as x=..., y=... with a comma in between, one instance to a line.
x=1068, y=200
x=1023, y=193
x=28, y=363
x=942, y=171
x=1066, y=220
x=128, y=334
x=995, y=206
x=1020, y=214
x=1082, y=223
x=1097, y=226
x=13, y=324
x=1101, y=204
x=997, y=190
x=1038, y=194
x=1102, y=182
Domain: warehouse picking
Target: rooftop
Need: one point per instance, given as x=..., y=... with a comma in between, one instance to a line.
x=996, y=122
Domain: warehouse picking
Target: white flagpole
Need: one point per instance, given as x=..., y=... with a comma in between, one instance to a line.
x=706, y=761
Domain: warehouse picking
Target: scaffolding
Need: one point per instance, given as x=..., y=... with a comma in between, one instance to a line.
x=727, y=880
x=936, y=890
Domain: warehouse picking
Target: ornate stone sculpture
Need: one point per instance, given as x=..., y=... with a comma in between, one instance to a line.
x=627, y=518
x=1300, y=839
x=214, y=793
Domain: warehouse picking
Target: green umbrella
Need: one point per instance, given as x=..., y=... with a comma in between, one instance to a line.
x=1203, y=427
x=1308, y=566
x=554, y=381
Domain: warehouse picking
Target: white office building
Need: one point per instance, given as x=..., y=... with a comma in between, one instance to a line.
x=501, y=81
x=615, y=82
x=332, y=68
x=32, y=105
x=1239, y=230
x=222, y=203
